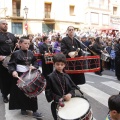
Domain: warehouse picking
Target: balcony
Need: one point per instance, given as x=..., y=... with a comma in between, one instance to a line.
x=49, y=16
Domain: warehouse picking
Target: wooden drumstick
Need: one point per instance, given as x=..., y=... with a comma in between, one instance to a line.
x=29, y=72
x=20, y=79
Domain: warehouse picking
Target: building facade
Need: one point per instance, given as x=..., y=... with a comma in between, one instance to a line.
x=50, y=15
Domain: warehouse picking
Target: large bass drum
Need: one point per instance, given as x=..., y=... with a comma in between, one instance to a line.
x=34, y=83
x=77, y=108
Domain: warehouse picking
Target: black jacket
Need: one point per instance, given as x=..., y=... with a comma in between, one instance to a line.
x=53, y=89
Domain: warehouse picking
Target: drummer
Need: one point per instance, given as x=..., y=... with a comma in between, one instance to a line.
x=71, y=44
x=45, y=51
x=21, y=61
x=59, y=85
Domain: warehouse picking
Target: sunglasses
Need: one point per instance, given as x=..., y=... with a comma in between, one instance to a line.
x=71, y=29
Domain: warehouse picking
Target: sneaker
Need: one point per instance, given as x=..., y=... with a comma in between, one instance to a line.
x=37, y=115
x=24, y=112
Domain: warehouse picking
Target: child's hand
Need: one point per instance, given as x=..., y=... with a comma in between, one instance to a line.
x=14, y=74
x=67, y=97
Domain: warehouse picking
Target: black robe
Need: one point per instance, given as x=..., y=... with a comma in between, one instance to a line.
x=117, y=61
x=46, y=68
x=97, y=49
x=66, y=47
x=54, y=91
x=18, y=100
x=7, y=44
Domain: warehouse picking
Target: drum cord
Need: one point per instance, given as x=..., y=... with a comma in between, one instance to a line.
x=77, y=87
x=86, y=46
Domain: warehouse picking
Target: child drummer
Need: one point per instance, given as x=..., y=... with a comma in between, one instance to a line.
x=21, y=61
x=59, y=85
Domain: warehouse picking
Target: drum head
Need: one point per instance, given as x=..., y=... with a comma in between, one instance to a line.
x=74, y=109
x=28, y=78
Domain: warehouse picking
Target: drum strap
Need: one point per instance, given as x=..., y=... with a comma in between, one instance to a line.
x=22, y=68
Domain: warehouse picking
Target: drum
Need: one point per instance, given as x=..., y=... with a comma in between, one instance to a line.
x=76, y=109
x=86, y=53
x=38, y=57
x=82, y=64
x=34, y=83
x=49, y=58
x=105, y=57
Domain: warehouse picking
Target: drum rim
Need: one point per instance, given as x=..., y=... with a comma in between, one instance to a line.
x=84, y=114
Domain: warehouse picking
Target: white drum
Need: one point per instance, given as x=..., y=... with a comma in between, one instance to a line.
x=105, y=57
x=76, y=109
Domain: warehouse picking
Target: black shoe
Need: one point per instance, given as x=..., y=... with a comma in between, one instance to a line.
x=98, y=73
x=24, y=112
x=37, y=115
x=5, y=99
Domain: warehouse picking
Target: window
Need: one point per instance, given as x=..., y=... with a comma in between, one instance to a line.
x=94, y=18
x=72, y=10
x=47, y=10
x=105, y=19
x=17, y=28
x=114, y=10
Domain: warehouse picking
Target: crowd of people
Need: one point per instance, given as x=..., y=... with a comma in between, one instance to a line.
x=60, y=85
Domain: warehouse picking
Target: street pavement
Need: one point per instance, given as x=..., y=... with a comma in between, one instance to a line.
x=97, y=90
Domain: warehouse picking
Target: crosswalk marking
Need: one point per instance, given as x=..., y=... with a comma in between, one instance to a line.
x=103, y=76
x=112, y=84
x=95, y=93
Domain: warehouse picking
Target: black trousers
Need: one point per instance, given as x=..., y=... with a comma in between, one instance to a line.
x=5, y=81
x=53, y=110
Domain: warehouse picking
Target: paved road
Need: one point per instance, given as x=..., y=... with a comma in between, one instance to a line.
x=97, y=90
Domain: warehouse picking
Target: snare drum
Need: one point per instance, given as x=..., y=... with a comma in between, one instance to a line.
x=105, y=57
x=76, y=108
x=38, y=57
x=34, y=83
x=49, y=58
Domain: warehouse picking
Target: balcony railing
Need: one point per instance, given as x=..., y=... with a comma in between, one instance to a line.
x=49, y=15
x=16, y=12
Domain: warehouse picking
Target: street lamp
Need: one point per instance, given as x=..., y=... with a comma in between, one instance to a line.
x=26, y=25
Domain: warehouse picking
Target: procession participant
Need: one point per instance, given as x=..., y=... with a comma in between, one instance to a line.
x=21, y=61
x=69, y=44
x=117, y=60
x=30, y=37
x=59, y=85
x=114, y=108
x=45, y=50
x=7, y=44
x=98, y=49
x=57, y=45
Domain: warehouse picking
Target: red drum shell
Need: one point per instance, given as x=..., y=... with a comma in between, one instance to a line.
x=82, y=64
x=32, y=87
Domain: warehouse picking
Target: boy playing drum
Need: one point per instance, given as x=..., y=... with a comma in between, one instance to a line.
x=59, y=85
x=20, y=62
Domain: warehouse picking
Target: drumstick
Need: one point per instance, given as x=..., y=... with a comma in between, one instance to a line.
x=29, y=72
x=20, y=79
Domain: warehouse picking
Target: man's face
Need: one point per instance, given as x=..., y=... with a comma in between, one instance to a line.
x=71, y=31
x=3, y=26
